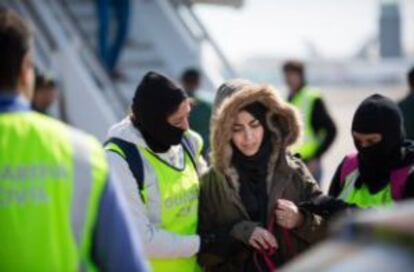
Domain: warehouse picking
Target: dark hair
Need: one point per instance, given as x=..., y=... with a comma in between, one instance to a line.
x=411, y=78
x=15, y=39
x=294, y=66
x=258, y=111
x=44, y=82
x=190, y=75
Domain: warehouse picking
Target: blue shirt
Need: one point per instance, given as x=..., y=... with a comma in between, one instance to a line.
x=13, y=103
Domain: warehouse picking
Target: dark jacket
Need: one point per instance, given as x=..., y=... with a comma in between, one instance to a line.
x=199, y=121
x=221, y=210
x=322, y=123
x=407, y=108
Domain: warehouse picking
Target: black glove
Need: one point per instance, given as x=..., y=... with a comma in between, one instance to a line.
x=220, y=237
x=206, y=240
x=326, y=206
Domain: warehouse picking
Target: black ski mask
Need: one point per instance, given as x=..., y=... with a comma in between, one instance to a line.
x=378, y=114
x=155, y=99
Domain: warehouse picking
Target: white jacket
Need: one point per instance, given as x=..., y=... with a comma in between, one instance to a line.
x=158, y=243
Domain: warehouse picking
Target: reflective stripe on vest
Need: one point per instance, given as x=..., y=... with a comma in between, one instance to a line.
x=51, y=182
x=179, y=190
x=304, y=101
x=83, y=181
x=361, y=196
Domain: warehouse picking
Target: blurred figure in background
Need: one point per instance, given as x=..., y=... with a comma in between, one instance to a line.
x=110, y=44
x=201, y=110
x=407, y=106
x=319, y=128
x=381, y=173
x=45, y=93
x=60, y=209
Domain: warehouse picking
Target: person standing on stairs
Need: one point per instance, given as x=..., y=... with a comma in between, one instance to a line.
x=110, y=44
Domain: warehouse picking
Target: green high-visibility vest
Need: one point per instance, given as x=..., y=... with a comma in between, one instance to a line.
x=51, y=182
x=361, y=197
x=304, y=101
x=179, y=191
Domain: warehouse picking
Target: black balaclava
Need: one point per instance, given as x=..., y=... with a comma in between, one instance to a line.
x=155, y=99
x=378, y=114
x=253, y=170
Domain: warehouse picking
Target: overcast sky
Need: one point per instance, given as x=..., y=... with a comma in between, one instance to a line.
x=295, y=28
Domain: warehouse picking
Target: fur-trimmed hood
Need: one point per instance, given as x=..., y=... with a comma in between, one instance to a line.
x=282, y=119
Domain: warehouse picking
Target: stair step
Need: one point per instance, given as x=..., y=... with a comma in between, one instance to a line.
x=134, y=75
x=82, y=8
x=135, y=55
x=133, y=44
x=150, y=64
x=154, y=65
x=128, y=88
x=129, y=45
x=89, y=27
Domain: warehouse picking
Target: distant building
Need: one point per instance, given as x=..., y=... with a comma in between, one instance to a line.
x=390, y=30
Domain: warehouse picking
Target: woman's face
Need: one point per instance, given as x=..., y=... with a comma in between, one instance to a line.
x=247, y=133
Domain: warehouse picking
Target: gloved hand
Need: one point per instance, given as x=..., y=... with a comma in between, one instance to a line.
x=326, y=206
x=221, y=236
x=206, y=240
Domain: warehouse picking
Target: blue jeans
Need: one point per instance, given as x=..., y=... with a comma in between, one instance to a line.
x=109, y=52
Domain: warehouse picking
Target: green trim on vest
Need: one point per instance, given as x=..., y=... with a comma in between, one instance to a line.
x=99, y=178
x=115, y=148
x=37, y=190
x=191, y=134
x=179, y=191
x=362, y=197
x=304, y=102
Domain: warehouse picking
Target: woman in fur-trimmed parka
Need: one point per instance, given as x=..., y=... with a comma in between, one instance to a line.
x=254, y=182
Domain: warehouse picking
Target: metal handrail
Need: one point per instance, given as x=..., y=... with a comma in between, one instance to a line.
x=43, y=42
x=206, y=37
x=95, y=67
x=75, y=23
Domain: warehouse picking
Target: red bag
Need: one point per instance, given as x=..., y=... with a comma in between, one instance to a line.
x=267, y=255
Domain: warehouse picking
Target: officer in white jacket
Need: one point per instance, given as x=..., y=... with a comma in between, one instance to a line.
x=158, y=158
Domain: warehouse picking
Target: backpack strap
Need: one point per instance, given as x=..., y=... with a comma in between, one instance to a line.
x=349, y=165
x=399, y=180
x=191, y=149
x=130, y=153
